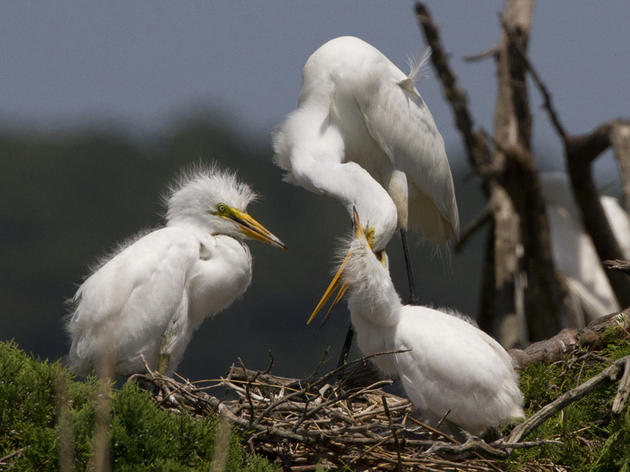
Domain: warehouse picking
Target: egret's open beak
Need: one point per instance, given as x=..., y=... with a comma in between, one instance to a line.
x=252, y=228
x=337, y=279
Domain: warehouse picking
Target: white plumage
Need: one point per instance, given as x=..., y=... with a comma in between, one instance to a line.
x=573, y=251
x=363, y=135
x=450, y=365
x=149, y=298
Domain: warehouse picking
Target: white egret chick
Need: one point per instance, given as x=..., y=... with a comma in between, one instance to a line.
x=362, y=134
x=450, y=365
x=149, y=298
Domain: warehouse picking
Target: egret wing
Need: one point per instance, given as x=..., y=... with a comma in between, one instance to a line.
x=401, y=123
x=453, y=365
x=129, y=300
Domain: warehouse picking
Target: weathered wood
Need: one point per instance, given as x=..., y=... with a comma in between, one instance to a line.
x=618, y=264
x=621, y=147
x=524, y=298
x=609, y=373
x=580, y=152
x=566, y=341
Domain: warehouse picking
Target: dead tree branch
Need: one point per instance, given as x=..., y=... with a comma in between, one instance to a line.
x=618, y=264
x=609, y=373
x=621, y=147
x=567, y=341
x=478, y=152
x=580, y=152
x=519, y=245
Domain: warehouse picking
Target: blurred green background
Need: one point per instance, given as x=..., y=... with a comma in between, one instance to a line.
x=71, y=197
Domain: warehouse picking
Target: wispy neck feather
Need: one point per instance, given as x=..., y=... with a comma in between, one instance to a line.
x=372, y=293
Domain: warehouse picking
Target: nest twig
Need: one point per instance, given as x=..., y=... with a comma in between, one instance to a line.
x=331, y=420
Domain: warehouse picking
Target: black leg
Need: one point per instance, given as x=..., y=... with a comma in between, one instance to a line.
x=413, y=298
x=347, y=343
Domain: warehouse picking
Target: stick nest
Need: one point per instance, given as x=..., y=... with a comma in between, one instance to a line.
x=342, y=419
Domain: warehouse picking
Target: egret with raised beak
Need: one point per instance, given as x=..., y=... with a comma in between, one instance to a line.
x=448, y=367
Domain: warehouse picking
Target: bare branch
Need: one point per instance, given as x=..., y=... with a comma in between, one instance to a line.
x=492, y=52
x=567, y=341
x=621, y=147
x=565, y=399
x=478, y=222
x=618, y=264
x=623, y=390
x=476, y=148
x=548, y=103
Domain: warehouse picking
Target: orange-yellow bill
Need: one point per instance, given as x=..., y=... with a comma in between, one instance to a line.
x=334, y=284
x=340, y=294
x=336, y=281
x=252, y=228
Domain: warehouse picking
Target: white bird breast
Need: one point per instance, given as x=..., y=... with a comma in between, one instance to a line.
x=222, y=274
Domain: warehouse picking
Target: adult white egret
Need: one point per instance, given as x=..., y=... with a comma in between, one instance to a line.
x=362, y=134
x=149, y=298
x=449, y=364
x=572, y=248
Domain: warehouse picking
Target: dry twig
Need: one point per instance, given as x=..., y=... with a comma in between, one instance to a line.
x=609, y=373
x=301, y=423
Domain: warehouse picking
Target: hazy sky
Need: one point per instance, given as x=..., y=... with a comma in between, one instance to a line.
x=142, y=64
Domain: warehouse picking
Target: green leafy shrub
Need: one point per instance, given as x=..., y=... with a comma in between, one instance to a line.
x=41, y=405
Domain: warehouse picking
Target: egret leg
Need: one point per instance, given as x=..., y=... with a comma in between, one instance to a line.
x=347, y=343
x=413, y=298
x=163, y=363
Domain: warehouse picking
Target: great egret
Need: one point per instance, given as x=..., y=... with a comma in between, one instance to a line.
x=449, y=364
x=149, y=298
x=362, y=134
x=572, y=248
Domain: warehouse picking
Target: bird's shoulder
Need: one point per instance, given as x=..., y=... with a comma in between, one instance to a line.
x=160, y=243
x=148, y=252
x=157, y=260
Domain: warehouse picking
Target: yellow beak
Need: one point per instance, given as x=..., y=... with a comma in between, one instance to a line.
x=253, y=229
x=336, y=281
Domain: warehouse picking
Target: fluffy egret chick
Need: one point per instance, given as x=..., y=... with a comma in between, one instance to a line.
x=362, y=134
x=450, y=364
x=149, y=298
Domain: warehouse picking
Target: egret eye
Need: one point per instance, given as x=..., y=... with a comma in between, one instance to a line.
x=221, y=209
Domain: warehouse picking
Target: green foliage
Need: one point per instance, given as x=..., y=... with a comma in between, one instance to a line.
x=47, y=416
x=37, y=397
x=593, y=439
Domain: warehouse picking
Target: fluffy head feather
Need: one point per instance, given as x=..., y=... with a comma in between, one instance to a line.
x=198, y=191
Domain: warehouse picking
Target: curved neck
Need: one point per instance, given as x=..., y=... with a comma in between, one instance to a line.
x=373, y=296
x=354, y=187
